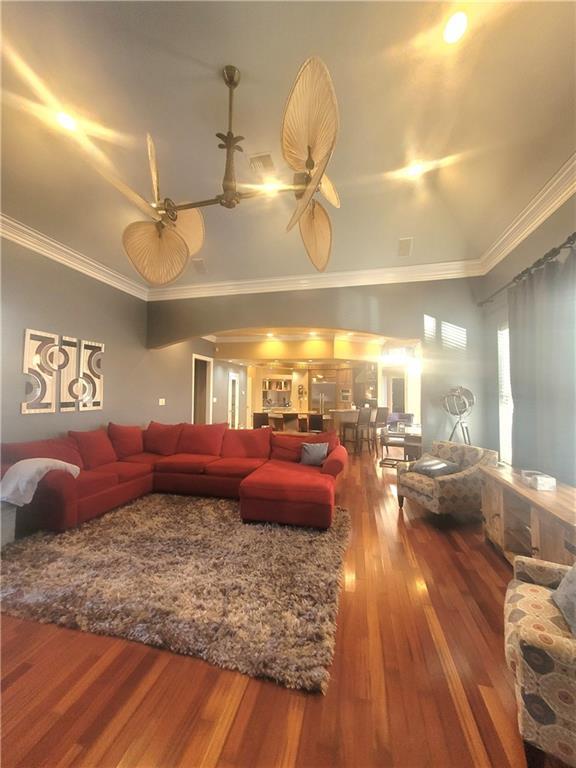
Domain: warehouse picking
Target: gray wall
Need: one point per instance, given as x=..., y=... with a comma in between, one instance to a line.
x=391, y=310
x=41, y=294
x=550, y=233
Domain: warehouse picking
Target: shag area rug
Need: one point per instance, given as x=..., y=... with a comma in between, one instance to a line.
x=188, y=575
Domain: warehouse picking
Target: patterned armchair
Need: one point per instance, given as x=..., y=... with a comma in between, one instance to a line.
x=450, y=494
x=541, y=653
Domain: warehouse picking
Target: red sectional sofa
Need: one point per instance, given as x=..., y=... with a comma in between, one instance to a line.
x=260, y=467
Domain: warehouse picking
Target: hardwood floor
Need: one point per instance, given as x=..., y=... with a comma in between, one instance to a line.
x=419, y=677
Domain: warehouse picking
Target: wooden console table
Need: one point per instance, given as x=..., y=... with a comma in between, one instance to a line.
x=520, y=520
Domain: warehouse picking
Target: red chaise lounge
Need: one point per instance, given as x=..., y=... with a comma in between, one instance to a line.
x=118, y=465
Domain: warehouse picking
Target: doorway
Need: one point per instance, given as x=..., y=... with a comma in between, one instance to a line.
x=233, y=399
x=201, y=389
x=398, y=395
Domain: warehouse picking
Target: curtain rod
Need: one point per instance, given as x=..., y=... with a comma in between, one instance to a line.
x=552, y=254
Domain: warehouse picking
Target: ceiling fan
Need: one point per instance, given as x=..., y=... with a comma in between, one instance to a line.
x=160, y=247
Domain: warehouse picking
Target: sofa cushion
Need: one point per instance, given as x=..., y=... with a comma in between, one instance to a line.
x=162, y=438
x=126, y=470
x=246, y=443
x=90, y=482
x=205, y=439
x=63, y=449
x=234, y=467
x=187, y=463
x=126, y=440
x=279, y=480
x=289, y=447
x=144, y=458
x=95, y=447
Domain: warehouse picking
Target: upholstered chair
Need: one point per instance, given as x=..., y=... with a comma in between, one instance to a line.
x=541, y=653
x=458, y=493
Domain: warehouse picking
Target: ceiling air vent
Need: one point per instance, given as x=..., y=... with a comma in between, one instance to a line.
x=405, y=247
x=199, y=266
x=262, y=164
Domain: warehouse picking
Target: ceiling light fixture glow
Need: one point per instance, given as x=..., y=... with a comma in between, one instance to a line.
x=66, y=121
x=455, y=27
x=271, y=187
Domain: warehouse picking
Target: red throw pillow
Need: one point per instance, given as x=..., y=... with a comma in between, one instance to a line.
x=95, y=447
x=162, y=438
x=127, y=441
x=202, y=438
x=289, y=447
x=61, y=448
x=246, y=443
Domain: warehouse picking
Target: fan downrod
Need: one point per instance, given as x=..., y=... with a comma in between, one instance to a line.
x=231, y=75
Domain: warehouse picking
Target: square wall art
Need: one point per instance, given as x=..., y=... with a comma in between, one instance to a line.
x=62, y=373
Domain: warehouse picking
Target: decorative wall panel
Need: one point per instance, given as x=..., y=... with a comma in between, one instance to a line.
x=41, y=360
x=62, y=371
x=69, y=384
x=91, y=353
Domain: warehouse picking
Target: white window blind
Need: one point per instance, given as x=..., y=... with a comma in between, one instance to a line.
x=505, y=403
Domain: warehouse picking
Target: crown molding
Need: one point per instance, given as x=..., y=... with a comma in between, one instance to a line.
x=552, y=195
x=403, y=274
x=14, y=230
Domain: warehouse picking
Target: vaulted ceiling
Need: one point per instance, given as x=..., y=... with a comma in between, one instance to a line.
x=498, y=108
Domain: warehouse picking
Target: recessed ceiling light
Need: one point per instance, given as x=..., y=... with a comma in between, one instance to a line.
x=66, y=121
x=455, y=27
x=313, y=333
x=270, y=335
x=310, y=361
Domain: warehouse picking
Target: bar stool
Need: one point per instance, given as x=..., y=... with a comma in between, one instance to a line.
x=290, y=422
x=379, y=424
x=260, y=420
x=349, y=425
x=315, y=422
x=363, y=429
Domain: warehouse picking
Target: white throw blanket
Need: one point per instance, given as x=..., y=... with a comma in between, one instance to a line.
x=21, y=479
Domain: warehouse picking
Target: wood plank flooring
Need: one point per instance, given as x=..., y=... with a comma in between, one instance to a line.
x=419, y=677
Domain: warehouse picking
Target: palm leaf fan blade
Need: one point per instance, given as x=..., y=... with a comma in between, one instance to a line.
x=309, y=192
x=153, y=167
x=159, y=254
x=190, y=227
x=310, y=117
x=329, y=192
x=316, y=232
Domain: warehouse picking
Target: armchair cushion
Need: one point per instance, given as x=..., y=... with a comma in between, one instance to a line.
x=534, y=571
x=421, y=484
x=565, y=598
x=432, y=466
